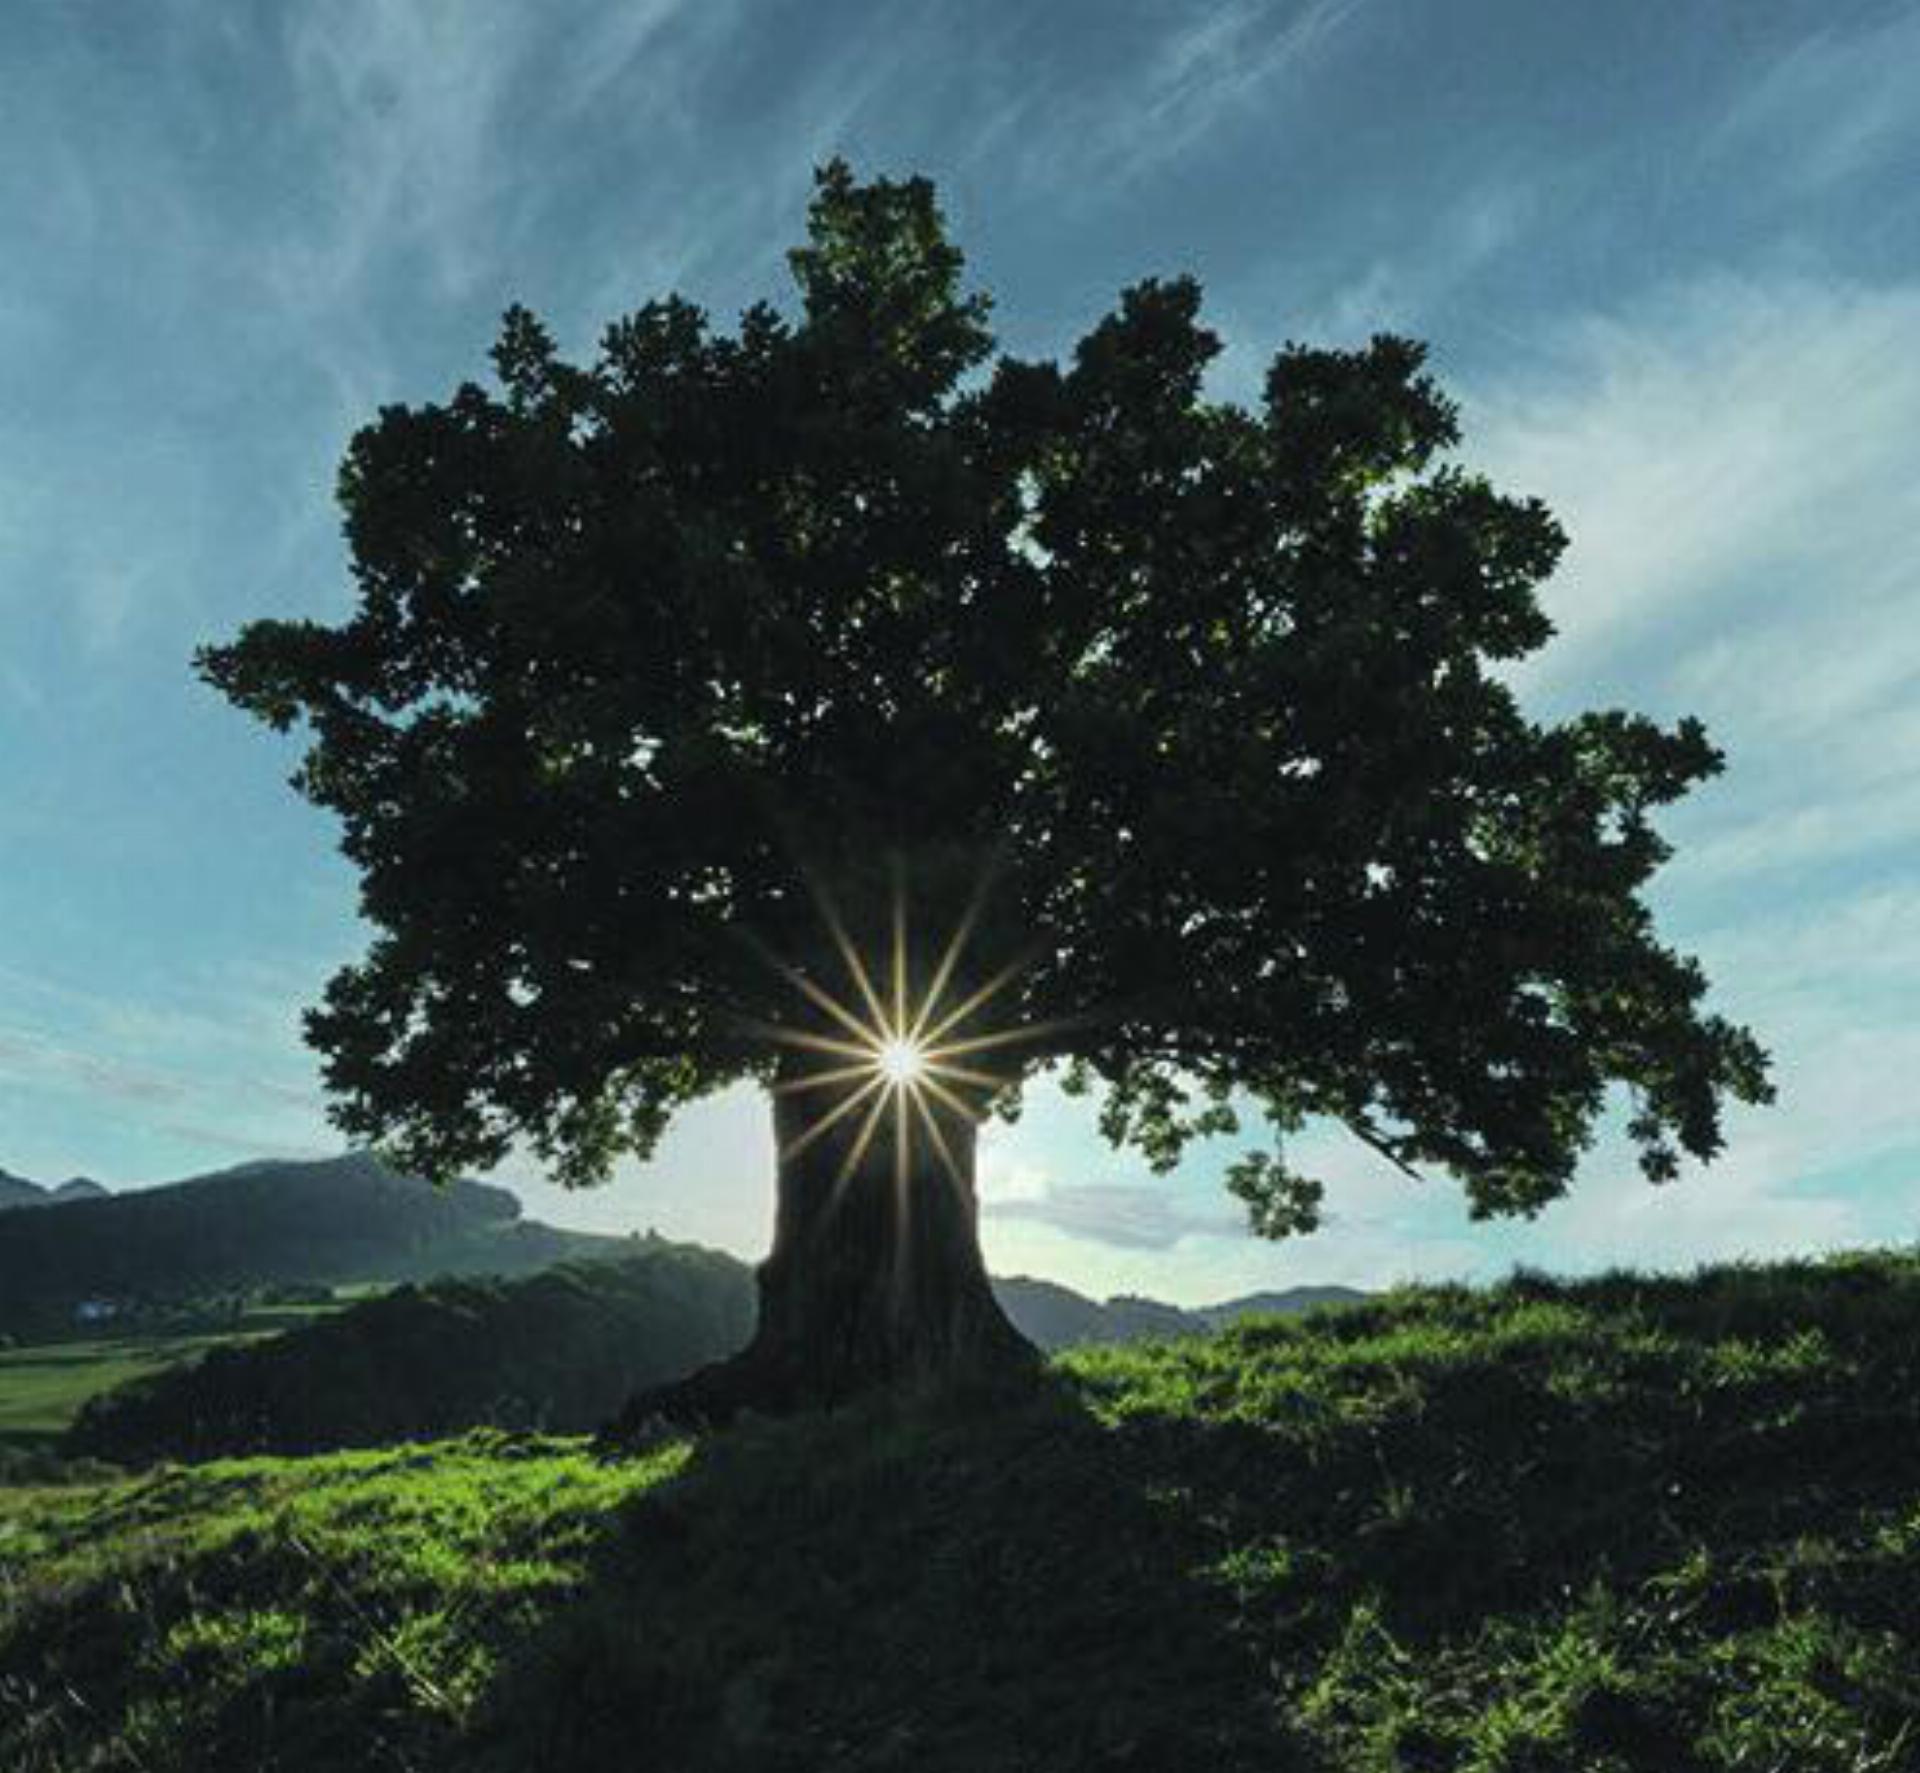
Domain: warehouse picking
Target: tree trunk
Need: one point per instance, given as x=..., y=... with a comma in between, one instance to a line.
x=875, y=1278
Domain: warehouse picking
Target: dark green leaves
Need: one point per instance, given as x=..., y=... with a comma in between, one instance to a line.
x=642, y=644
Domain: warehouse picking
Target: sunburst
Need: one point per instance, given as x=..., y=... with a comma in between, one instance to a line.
x=891, y=1063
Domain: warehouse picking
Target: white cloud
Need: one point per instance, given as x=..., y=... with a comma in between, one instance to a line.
x=1733, y=450
x=1133, y=1216
x=1002, y=1178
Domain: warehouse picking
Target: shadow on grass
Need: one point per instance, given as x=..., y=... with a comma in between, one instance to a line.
x=1546, y=1526
x=916, y=1587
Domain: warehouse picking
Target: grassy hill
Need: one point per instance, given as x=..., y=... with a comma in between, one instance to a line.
x=186, y=1268
x=1624, y=1525
x=44, y=1386
x=562, y=1349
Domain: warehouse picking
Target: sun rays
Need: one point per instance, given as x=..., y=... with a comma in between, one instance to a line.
x=896, y=1061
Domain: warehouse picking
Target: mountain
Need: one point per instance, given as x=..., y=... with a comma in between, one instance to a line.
x=78, y=1188
x=17, y=1191
x=343, y=1219
x=1282, y=1304
x=1052, y=1316
x=353, y=1219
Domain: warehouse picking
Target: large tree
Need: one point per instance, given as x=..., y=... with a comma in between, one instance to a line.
x=839, y=706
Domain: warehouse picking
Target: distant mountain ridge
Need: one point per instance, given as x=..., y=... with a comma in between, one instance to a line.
x=17, y=1191
x=1053, y=1316
x=340, y=1219
x=352, y=1218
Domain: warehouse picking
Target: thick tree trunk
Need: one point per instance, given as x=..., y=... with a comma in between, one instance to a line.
x=875, y=1278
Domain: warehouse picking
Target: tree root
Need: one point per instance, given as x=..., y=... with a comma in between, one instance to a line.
x=710, y=1397
x=753, y=1382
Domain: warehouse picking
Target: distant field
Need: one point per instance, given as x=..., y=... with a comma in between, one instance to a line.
x=43, y=1386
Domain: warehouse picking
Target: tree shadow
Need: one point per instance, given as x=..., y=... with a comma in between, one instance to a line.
x=934, y=1585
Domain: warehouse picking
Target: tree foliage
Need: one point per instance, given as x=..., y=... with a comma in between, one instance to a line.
x=645, y=649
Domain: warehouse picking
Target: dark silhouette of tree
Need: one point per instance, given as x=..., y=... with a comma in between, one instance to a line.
x=767, y=706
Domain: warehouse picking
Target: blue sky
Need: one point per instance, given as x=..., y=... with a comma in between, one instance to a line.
x=1668, y=258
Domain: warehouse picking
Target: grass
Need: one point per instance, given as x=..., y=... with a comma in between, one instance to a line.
x=43, y=1386
x=1618, y=1526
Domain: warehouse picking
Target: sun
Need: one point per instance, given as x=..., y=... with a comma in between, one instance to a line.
x=901, y=1061
x=898, y=1054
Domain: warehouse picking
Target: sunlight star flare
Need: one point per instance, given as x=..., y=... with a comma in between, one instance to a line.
x=893, y=1058
x=901, y=1061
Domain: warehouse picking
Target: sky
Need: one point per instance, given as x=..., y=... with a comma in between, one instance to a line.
x=1667, y=259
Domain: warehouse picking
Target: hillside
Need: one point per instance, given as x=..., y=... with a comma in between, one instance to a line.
x=563, y=1349
x=1627, y=1526
x=350, y=1219
x=344, y=1219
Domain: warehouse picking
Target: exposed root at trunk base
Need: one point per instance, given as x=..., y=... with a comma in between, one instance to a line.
x=752, y=1383
x=710, y=1397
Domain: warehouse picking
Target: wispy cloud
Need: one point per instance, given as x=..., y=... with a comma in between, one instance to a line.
x=1840, y=102
x=221, y=1055
x=1726, y=453
x=30, y=1057
x=399, y=104
x=1197, y=72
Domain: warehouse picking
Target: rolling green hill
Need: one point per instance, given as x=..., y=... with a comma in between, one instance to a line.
x=1625, y=1526
x=44, y=1386
x=562, y=1349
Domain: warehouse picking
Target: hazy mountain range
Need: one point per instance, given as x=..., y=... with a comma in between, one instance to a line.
x=17, y=1191
x=353, y=1219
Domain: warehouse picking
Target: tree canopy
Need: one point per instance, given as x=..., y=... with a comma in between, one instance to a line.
x=648, y=651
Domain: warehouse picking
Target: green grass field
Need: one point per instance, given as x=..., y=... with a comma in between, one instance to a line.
x=42, y=1386
x=1619, y=1527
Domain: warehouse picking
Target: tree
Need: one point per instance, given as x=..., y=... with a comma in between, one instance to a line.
x=792, y=704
